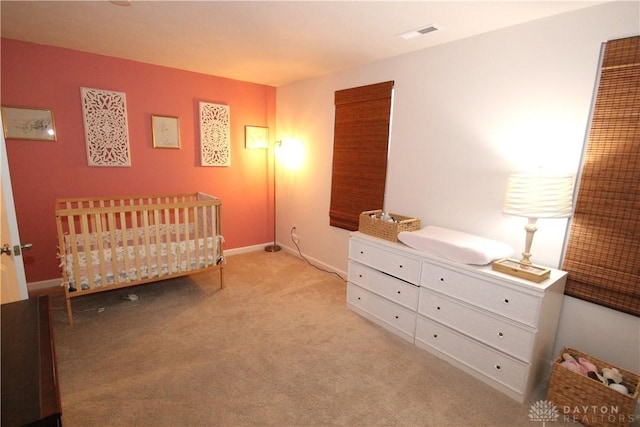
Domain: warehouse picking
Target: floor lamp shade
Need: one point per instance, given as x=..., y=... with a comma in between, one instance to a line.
x=536, y=196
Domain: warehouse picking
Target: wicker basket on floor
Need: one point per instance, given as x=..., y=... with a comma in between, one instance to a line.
x=371, y=223
x=588, y=401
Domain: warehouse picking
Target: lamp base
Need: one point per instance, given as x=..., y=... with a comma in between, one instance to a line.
x=531, y=272
x=272, y=248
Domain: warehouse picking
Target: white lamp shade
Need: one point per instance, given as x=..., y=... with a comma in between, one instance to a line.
x=539, y=196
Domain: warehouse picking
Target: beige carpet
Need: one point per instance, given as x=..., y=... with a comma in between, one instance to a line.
x=276, y=347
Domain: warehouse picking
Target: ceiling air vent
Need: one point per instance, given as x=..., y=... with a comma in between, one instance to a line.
x=420, y=31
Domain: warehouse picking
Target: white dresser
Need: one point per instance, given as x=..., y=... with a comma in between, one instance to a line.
x=494, y=326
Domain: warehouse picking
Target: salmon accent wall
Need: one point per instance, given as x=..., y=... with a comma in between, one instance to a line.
x=34, y=75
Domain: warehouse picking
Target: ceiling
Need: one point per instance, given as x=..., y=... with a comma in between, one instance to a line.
x=266, y=42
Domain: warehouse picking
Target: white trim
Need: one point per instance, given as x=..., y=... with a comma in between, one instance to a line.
x=43, y=284
x=245, y=249
x=227, y=252
x=315, y=261
x=10, y=216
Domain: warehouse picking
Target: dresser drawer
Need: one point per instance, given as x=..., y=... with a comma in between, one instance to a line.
x=382, y=284
x=507, y=302
x=496, y=332
x=393, y=263
x=500, y=368
x=383, y=310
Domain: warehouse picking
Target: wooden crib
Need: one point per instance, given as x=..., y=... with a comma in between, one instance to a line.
x=109, y=243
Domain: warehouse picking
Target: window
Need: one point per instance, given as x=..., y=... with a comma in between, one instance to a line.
x=360, y=148
x=603, y=248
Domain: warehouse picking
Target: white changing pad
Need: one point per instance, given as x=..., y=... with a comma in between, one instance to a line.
x=455, y=245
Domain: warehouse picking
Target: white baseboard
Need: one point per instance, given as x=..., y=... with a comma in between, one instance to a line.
x=228, y=252
x=318, y=263
x=290, y=250
x=245, y=249
x=43, y=284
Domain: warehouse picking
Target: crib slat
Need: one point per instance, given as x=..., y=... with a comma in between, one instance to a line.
x=186, y=235
x=205, y=234
x=202, y=214
x=176, y=219
x=92, y=223
x=100, y=248
x=136, y=245
x=125, y=245
x=74, y=251
x=102, y=218
x=158, y=240
x=167, y=238
x=196, y=236
x=218, y=233
x=84, y=227
x=146, y=231
x=62, y=247
x=212, y=233
x=214, y=240
x=113, y=241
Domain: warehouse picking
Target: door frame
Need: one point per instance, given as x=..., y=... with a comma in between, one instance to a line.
x=13, y=239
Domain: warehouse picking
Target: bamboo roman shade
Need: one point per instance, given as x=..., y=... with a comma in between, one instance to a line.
x=602, y=254
x=360, y=146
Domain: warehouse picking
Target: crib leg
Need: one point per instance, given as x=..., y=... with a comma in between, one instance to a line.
x=221, y=277
x=69, y=312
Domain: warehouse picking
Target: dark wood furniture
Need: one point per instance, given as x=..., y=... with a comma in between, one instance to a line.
x=30, y=392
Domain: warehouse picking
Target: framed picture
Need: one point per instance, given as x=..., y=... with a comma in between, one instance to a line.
x=165, y=131
x=106, y=130
x=28, y=123
x=256, y=137
x=215, y=135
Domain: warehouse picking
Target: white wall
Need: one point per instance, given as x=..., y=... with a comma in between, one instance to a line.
x=466, y=115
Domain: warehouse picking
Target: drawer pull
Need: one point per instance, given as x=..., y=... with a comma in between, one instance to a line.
x=358, y=298
x=400, y=265
x=360, y=276
x=497, y=367
x=435, y=335
x=438, y=308
x=500, y=334
x=361, y=252
x=442, y=279
x=397, y=317
x=506, y=300
x=398, y=292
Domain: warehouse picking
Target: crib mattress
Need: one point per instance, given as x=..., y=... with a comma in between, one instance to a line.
x=175, y=258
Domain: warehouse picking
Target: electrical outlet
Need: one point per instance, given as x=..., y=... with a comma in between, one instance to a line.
x=294, y=235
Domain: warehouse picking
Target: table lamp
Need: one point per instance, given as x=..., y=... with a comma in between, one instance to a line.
x=536, y=196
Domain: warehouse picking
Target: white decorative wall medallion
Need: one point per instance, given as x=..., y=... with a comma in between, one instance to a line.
x=215, y=145
x=105, y=127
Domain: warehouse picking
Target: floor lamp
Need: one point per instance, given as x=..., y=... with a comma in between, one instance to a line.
x=274, y=247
